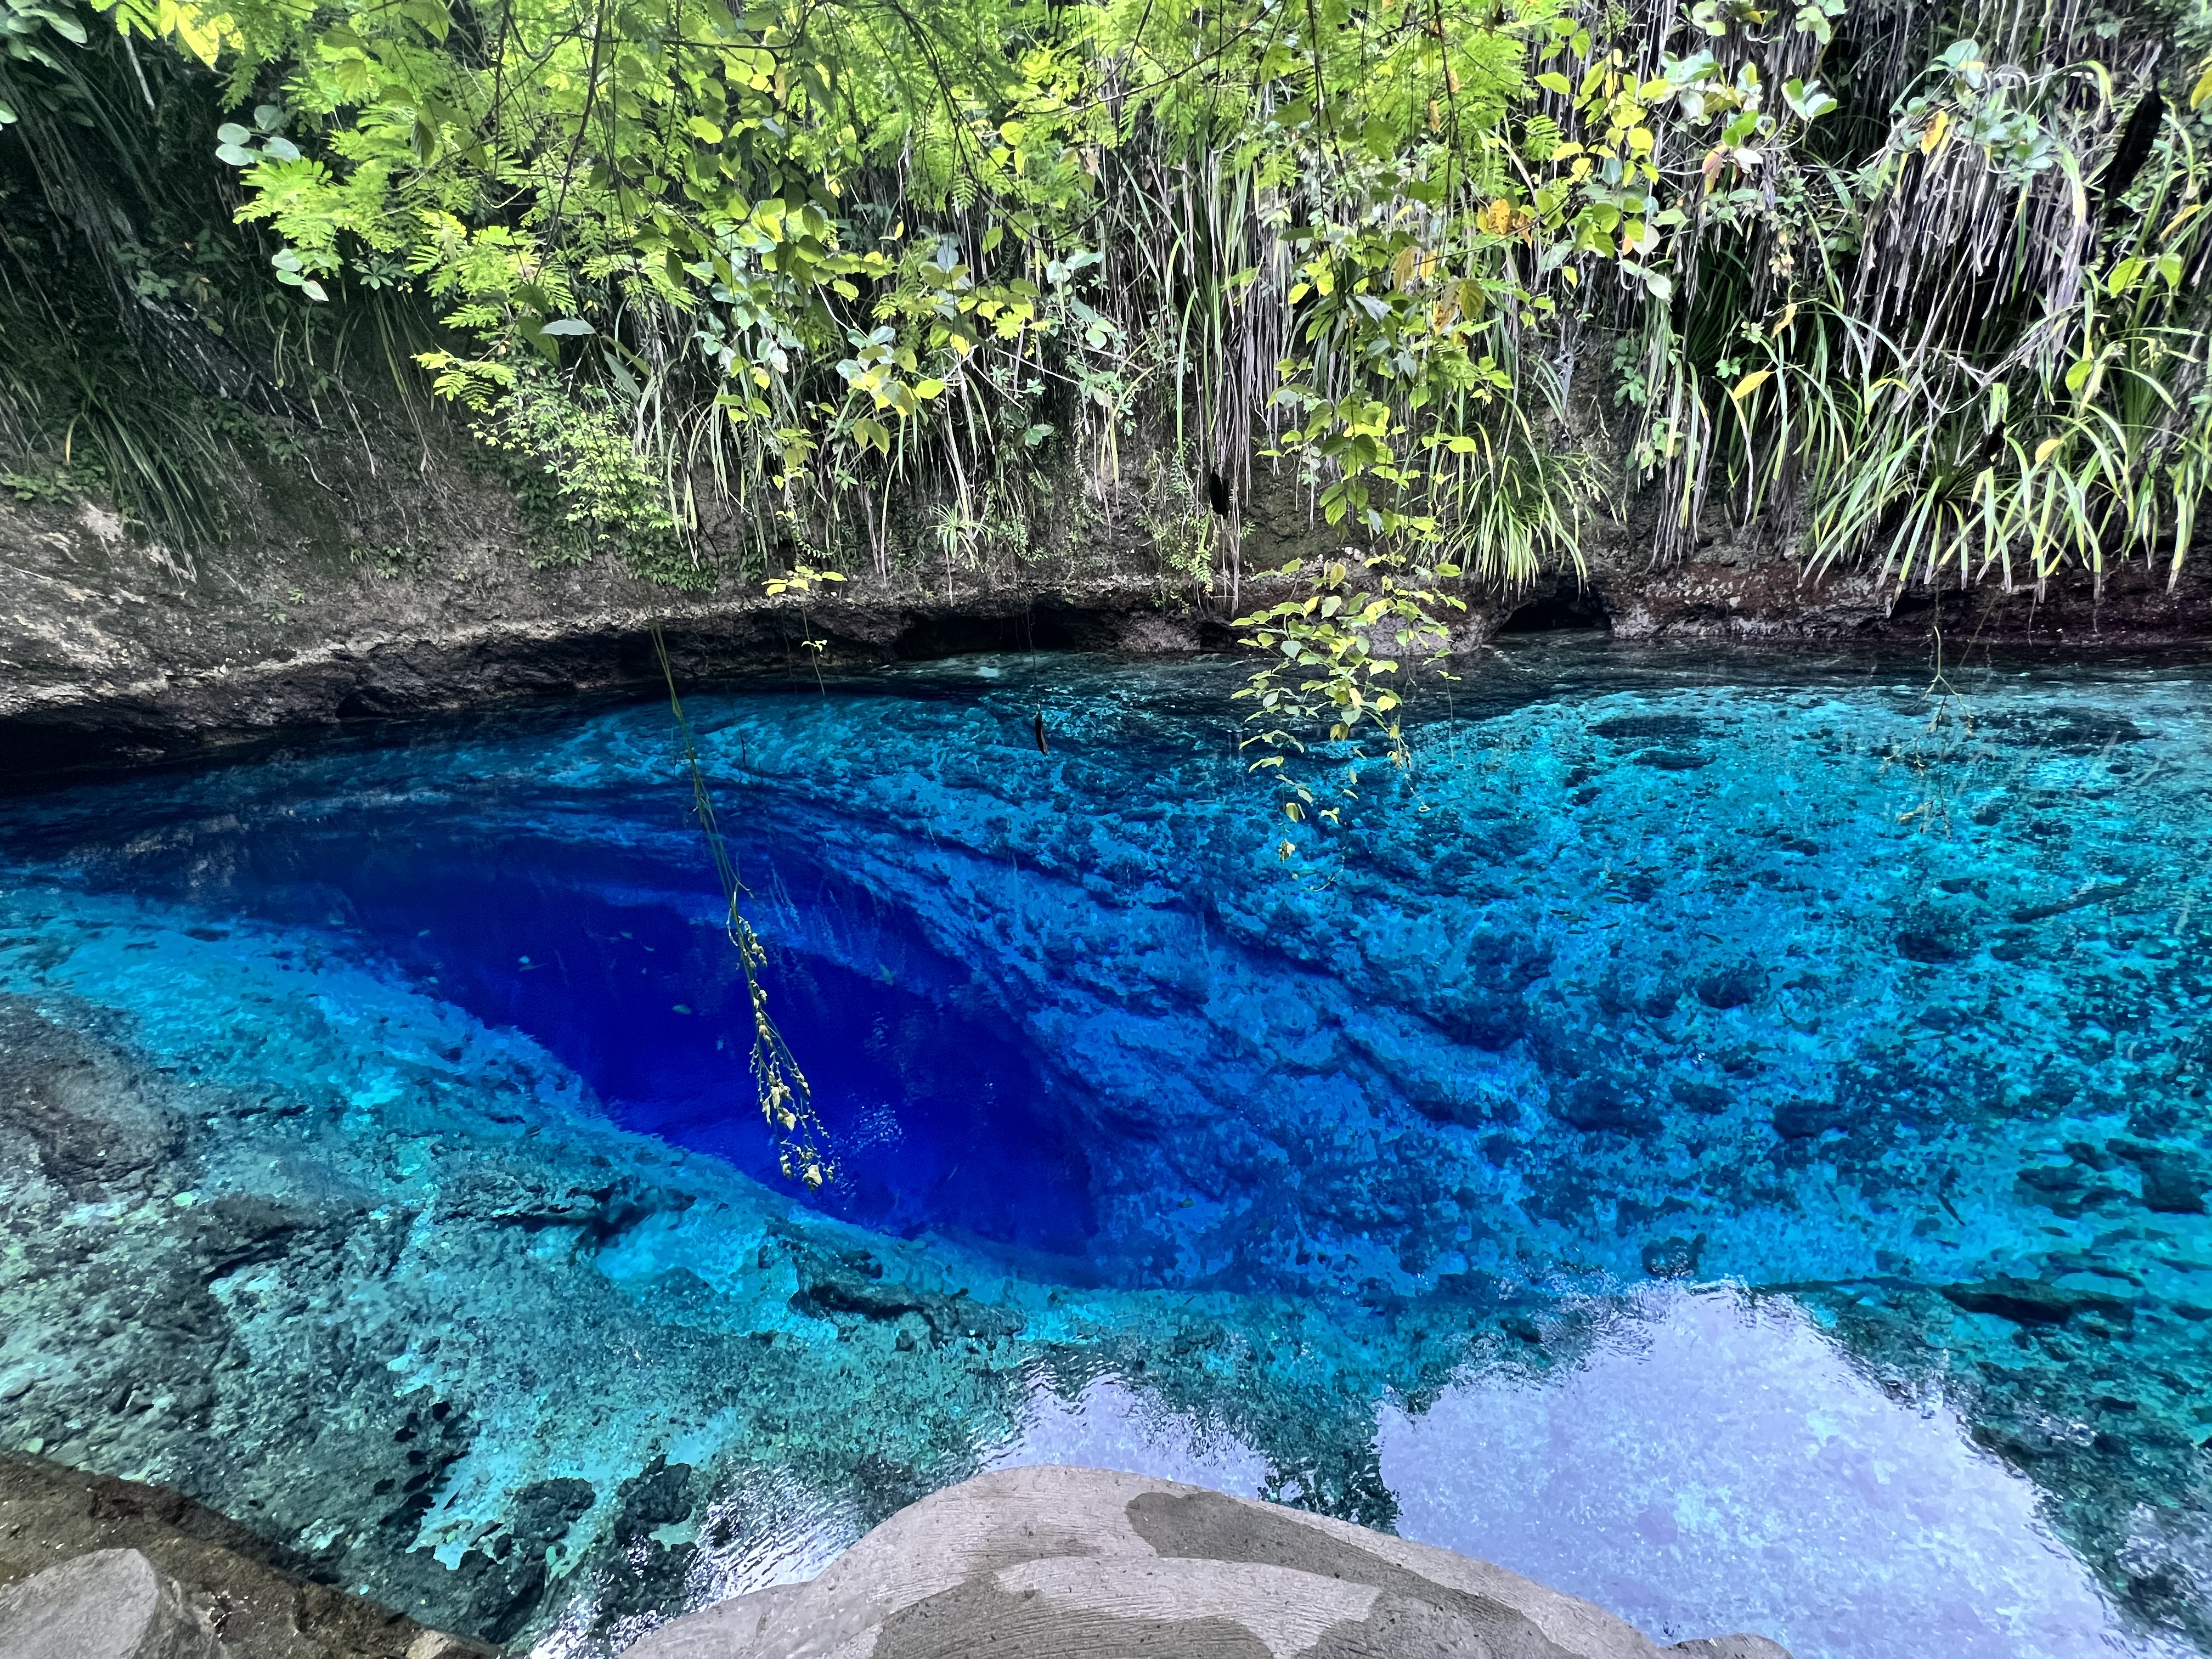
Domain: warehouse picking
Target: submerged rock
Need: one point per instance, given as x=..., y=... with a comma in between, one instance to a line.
x=1052, y=1563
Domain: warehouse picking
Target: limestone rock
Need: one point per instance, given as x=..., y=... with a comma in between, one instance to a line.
x=1051, y=1563
x=256, y=1604
x=111, y=1604
x=737, y=1625
x=436, y=1644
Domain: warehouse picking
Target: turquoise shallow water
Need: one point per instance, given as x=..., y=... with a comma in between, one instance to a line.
x=1729, y=1138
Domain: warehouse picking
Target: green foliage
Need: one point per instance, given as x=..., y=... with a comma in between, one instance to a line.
x=89, y=419
x=800, y=580
x=57, y=486
x=826, y=255
x=148, y=349
x=1345, y=638
x=1968, y=340
x=392, y=564
x=29, y=31
x=602, y=494
x=1179, y=526
x=831, y=279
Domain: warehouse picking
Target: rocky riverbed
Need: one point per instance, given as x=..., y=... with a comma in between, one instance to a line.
x=318, y=1214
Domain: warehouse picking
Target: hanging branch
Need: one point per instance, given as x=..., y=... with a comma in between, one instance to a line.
x=785, y=1099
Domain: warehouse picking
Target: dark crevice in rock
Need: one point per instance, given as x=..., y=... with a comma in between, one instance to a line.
x=1565, y=606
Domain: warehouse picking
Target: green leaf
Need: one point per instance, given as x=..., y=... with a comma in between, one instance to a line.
x=1808, y=102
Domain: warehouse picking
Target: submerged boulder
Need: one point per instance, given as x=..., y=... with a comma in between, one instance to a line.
x=1044, y=1562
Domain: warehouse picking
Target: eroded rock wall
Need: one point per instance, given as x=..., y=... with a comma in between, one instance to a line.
x=115, y=649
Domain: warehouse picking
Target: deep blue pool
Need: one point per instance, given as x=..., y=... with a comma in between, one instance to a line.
x=1301, y=1149
x=614, y=958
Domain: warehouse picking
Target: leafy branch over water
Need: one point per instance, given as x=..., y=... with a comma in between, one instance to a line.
x=852, y=284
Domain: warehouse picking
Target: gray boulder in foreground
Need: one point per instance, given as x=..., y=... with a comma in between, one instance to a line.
x=1050, y=1563
x=111, y=1604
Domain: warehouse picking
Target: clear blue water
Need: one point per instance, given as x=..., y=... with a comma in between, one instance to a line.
x=1173, y=1132
x=611, y=956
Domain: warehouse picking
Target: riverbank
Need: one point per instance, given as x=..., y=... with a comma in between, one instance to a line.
x=244, y=1589
x=118, y=650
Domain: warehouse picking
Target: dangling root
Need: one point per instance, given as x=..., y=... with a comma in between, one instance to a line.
x=786, y=1102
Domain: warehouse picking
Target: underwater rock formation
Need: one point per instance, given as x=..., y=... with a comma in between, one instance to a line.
x=1058, y=1563
x=366, y=1112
